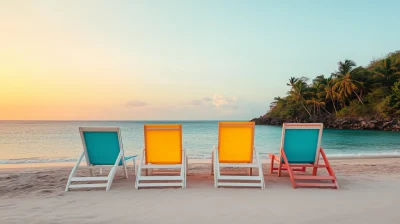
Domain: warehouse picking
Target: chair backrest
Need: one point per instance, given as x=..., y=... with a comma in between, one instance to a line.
x=301, y=142
x=235, y=142
x=163, y=143
x=102, y=145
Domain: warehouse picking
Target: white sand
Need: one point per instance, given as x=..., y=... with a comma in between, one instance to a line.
x=369, y=193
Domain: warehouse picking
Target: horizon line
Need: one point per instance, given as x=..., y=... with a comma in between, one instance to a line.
x=133, y=120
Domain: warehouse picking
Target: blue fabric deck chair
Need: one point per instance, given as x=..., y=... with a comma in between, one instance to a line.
x=102, y=148
x=301, y=148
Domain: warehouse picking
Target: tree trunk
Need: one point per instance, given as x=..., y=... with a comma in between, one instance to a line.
x=305, y=108
x=334, y=107
x=314, y=109
x=359, y=99
x=328, y=111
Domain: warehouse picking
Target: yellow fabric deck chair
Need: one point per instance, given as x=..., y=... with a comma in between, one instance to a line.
x=162, y=152
x=236, y=149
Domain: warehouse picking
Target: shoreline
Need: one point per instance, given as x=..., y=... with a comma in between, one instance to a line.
x=191, y=161
x=388, y=125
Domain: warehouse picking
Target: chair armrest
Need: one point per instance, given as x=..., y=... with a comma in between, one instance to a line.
x=127, y=158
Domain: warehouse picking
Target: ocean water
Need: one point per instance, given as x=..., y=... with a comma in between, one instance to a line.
x=59, y=141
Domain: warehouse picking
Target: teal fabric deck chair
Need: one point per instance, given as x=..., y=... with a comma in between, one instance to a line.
x=301, y=148
x=102, y=148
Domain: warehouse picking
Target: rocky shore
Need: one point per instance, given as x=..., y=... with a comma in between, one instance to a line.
x=339, y=123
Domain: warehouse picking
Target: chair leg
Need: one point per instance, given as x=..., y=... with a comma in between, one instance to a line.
x=110, y=178
x=212, y=163
x=183, y=171
x=279, y=169
x=72, y=174
x=271, y=168
x=251, y=171
x=125, y=171
x=216, y=169
x=187, y=165
x=134, y=166
x=280, y=163
x=260, y=169
x=289, y=169
x=137, y=175
x=315, y=169
x=91, y=172
x=139, y=170
x=329, y=168
x=114, y=169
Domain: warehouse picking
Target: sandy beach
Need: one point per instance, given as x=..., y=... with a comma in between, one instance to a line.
x=369, y=193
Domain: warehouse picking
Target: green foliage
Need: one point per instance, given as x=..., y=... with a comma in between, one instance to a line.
x=349, y=92
x=354, y=110
x=394, y=99
x=377, y=101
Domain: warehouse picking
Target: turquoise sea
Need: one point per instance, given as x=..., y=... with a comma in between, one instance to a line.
x=59, y=141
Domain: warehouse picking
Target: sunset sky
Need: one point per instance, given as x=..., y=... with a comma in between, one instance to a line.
x=176, y=60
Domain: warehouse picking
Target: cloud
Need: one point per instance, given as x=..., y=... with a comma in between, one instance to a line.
x=196, y=102
x=223, y=102
x=208, y=99
x=205, y=101
x=229, y=106
x=217, y=101
x=135, y=103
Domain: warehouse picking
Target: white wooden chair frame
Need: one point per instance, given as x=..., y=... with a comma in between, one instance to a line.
x=182, y=177
x=107, y=179
x=216, y=171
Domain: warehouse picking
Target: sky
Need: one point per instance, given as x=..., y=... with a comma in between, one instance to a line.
x=176, y=60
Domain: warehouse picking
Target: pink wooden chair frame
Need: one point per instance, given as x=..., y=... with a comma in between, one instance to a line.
x=283, y=163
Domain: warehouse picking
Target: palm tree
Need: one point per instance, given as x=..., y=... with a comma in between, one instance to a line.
x=345, y=67
x=299, y=90
x=319, y=80
x=292, y=81
x=374, y=86
x=331, y=94
x=317, y=103
x=388, y=69
x=364, y=76
x=276, y=101
x=346, y=86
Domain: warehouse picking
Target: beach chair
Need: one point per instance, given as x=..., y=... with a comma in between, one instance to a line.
x=236, y=150
x=102, y=148
x=162, y=154
x=301, y=148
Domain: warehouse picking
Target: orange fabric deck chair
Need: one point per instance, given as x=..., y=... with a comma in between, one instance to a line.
x=301, y=148
x=236, y=150
x=162, y=152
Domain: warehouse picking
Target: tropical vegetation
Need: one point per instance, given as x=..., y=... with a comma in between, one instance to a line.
x=350, y=92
